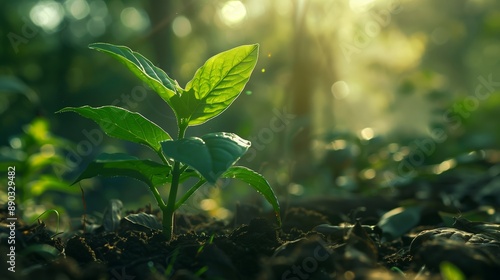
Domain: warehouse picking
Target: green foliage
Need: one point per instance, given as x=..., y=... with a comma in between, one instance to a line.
x=12, y=85
x=142, y=68
x=48, y=212
x=213, y=88
x=450, y=272
x=123, y=124
x=147, y=171
x=211, y=154
x=37, y=157
x=216, y=85
x=398, y=221
x=254, y=179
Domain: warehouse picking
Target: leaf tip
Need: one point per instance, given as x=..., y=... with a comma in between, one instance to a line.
x=63, y=110
x=95, y=46
x=92, y=46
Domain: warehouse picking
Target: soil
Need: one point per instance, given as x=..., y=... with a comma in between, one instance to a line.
x=314, y=242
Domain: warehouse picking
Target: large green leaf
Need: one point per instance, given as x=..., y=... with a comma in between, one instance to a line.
x=216, y=84
x=153, y=76
x=123, y=124
x=114, y=165
x=211, y=155
x=258, y=182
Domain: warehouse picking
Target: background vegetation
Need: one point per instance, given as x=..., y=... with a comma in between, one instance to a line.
x=348, y=97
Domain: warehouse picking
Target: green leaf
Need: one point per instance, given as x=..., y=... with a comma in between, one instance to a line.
x=123, y=124
x=398, y=221
x=258, y=182
x=113, y=165
x=211, y=155
x=44, y=183
x=216, y=84
x=142, y=68
x=13, y=85
x=450, y=271
x=145, y=220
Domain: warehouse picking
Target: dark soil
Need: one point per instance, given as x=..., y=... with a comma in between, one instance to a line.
x=315, y=242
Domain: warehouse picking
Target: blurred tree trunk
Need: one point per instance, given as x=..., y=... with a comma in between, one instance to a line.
x=312, y=72
x=301, y=85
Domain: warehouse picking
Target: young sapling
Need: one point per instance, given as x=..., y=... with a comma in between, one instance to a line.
x=209, y=157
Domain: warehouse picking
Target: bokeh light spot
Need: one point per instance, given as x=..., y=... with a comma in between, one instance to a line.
x=336, y=145
x=78, y=9
x=48, y=150
x=222, y=213
x=445, y=166
x=181, y=26
x=134, y=19
x=295, y=189
x=349, y=275
x=398, y=157
x=367, y=133
x=47, y=15
x=232, y=12
x=393, y=147
x=340, y=89
x=342, y=181
x=16, y=143
x=368, y=174
x=208, y=204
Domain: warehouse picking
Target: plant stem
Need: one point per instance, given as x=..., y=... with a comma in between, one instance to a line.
x=183, y=168
x=164, y=159
x=189, y=193
x=158, y=198
x=168, y=211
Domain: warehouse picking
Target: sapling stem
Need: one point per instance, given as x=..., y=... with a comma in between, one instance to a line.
x=183, y=169
x=168, y=211
x=164, y=159
x=158, y=198
x=189, y=193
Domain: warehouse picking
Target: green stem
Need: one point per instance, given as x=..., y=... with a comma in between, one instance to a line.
x=158, y=198
x=183, y=168
x=189, y=193
x=168, y=211
x=164, y=159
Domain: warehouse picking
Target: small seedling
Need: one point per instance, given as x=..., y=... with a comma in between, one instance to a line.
x=46, y=212
x=209, y=157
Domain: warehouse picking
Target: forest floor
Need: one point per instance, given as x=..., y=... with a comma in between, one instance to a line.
x=443, y=226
